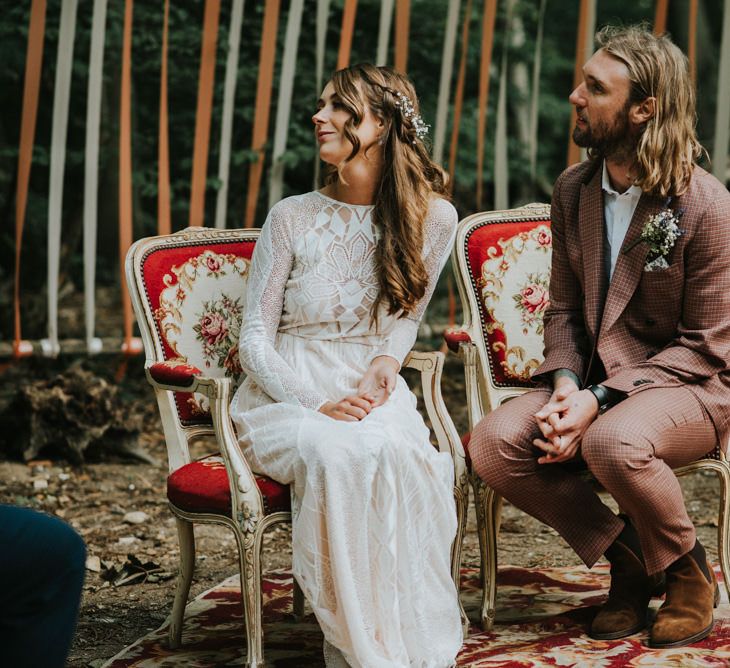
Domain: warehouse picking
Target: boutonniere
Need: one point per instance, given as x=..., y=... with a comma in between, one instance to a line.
x=660, y=233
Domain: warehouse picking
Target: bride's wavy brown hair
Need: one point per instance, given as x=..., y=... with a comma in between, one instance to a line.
x=407, y=183
x=668, y=146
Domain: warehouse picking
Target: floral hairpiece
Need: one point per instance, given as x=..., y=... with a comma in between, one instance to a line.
x=408, y=112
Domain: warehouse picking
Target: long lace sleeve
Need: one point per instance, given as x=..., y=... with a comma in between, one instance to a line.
x=270, y=268
x=439, y=239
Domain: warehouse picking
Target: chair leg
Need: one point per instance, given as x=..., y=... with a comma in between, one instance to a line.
x=723, y=549
x=186, y=539
x=297, y=601
x=462, y=501
x=488, y=507
x=249, y=553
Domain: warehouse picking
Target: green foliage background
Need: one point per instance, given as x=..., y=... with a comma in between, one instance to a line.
x=428, y=21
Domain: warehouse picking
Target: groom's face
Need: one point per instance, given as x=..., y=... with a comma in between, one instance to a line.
x=602, y=106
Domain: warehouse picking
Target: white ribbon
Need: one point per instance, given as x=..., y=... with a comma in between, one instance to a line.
x=283, y=106
x=447, y=68
x=535, y=93
x=386, y=19
x=91, y=167
x=229, y=95
x=720, y=165
x=62, y=89
x=323, y=11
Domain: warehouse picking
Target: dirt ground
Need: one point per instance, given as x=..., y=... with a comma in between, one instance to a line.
x=97, y=497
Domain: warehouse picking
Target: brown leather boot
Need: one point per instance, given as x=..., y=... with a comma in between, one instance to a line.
x=624, y=613
x=686, y=615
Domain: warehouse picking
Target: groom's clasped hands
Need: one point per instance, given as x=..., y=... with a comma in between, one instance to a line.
x=563, y=421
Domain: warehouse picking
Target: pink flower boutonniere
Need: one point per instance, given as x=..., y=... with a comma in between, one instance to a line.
x=660, y=233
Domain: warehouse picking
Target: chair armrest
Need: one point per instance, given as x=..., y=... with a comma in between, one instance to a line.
x=430, y=365
x=247, y=502
x=175, y=374
x=454, y=337
x=246, y=499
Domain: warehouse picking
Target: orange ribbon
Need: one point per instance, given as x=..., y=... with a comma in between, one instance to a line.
x=33, y=63
x=204, y=111
x=263, y=103
x=402, y=26
x=583, y=18
x=488, y=19
x=348, y=27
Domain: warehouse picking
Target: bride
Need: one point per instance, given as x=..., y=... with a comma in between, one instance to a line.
x=338, y=283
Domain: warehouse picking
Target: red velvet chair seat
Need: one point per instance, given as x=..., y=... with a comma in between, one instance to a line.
x=202, y=487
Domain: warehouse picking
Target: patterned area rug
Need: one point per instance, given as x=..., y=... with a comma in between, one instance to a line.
x=542, y=617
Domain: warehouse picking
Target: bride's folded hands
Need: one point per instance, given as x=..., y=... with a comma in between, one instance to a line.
x=349, y=409
x=378, y=382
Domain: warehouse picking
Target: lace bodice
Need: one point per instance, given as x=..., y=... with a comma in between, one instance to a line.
x=313, y=276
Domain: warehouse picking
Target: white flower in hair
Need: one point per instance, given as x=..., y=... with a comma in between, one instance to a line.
x=408, y=112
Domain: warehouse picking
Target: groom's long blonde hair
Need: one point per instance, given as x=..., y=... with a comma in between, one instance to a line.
x=667, y=148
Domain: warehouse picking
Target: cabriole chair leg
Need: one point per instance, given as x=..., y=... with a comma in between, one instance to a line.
x=186, y=538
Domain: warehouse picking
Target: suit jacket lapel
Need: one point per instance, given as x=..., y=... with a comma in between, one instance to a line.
x=590, y=227
x=630, y=262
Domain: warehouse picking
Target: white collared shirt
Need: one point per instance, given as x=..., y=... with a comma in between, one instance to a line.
x=618, y=210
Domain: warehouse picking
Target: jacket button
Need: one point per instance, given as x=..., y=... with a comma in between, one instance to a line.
x=637, y=383
x=650, y=322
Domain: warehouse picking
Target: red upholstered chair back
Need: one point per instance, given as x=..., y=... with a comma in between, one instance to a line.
x=190, y=288
x=502, y=261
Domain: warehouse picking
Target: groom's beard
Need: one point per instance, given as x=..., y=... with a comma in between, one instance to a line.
x=609, y=141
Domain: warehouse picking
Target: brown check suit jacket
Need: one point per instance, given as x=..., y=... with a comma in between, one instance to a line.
x=663, y=328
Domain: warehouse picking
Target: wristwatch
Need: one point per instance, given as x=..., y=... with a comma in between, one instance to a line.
x=602, y=395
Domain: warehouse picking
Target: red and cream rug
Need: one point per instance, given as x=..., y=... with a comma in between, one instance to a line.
x=542, y=616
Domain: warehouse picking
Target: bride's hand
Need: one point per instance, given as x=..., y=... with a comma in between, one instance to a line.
x=378, y=382
x=349, y=409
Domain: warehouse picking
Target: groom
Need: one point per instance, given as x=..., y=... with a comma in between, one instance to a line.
x=636, y=376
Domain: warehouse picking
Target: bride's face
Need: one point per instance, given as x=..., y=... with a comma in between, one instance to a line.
x=329, y=124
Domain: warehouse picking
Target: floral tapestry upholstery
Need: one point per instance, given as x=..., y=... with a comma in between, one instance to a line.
x=509, y=270
x=196, y=292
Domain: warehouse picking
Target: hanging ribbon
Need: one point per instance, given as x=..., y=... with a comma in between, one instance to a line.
x=501, y=161
x=348, y=27
x=447, y=67
x=203, y=113
x=61, y=96
x=535, y=93
x=660, y=17
x=263, y=102
x=583, y=50
x=722, y=116
x=33, y=64
x=125, y=171
x=283, y=106
x=489, y=14
x=91, y=169
x=692, y=41
x=164, y=222
x=229, y=99
x=323, y=9
x=459, y=97
x=402, y=28
x=386, y=18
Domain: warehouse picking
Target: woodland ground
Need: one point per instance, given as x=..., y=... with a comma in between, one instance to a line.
x=95, y=497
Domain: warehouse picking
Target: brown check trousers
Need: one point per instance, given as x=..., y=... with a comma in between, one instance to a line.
x=660, y=337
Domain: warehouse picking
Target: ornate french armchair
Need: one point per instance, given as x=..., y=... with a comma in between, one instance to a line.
x=502, y=265
x=187, y=290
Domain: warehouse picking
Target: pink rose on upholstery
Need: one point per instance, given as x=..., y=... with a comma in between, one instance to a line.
x=232, y=361
x=534, y=298
x=213, y=328
x=213, y=263
x=544, y=238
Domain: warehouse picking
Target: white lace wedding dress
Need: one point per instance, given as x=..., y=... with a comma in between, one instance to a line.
x=374, y=515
